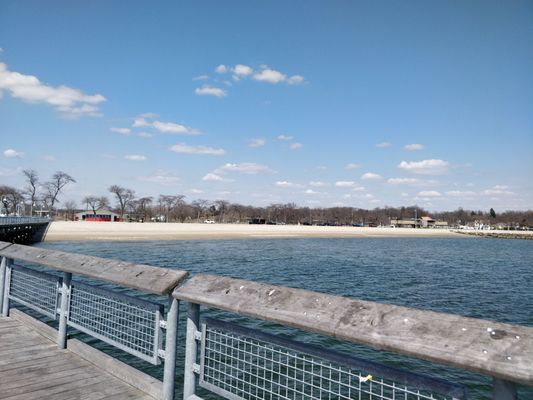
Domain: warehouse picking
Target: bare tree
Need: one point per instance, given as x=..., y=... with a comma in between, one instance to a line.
x=59, y=180
x=70, y=209
x=124, y=197
x=11, y=199
x=96, y=203
x=32, y=180
x=170, y=202
x=201, y=206
x=222, y=207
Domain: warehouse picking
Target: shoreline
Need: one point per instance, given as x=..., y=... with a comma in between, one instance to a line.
x=134, y=231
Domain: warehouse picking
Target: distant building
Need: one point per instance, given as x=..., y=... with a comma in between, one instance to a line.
x=423, y=222
x=100, y=216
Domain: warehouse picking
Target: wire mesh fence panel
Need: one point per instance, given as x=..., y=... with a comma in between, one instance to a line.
x=128, y=323
x=239, y=363
x=34, y=289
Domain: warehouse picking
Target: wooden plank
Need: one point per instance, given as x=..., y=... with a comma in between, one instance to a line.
x=53, y=388
x=36, y=325
x=50, y=381
x=491, y=348
x=144, y=382
x=143, y=277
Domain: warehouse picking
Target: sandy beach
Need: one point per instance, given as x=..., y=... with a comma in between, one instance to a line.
x=106, y=231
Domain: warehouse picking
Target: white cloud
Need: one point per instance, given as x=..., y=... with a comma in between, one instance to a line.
x=207, y=90
x=403, y=181
x=371, y=176
x=313, y=192
x=171, y=127
x=346, y=184
x=196, y=191
x=135, y=157
x=285, y=184
x=140, y=122
x=413, y=147
x=322, y=168
x=425, y=167
x=352, y=166
x=145, y=135
x=12, y=153
x=383, y=145
x=241, y=70
x=429, y=193
x=163, y=127
x=270, y=76
x=122, y=131
x=71, y=102
x=48, y=157
x=460, y=193
x=317, y=184
x=211, y=177
x=256, y=142
x=285, y=137
x=498, y=190
x=186, y=149
x=245, y=168
x=200, y=78
x=295, y=146
x=221, y=69
x=295, y=80
x=161, y=177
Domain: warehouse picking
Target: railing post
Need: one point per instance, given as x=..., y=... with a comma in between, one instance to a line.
x=191, y=350
x=5, y=278
x=503, y=390
x=169, y=376
x=65, y=295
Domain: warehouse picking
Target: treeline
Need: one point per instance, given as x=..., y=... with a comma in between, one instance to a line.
x=38, y=197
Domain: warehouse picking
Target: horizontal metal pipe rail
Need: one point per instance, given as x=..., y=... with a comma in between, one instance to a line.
x=501, y=351
x=128, y=323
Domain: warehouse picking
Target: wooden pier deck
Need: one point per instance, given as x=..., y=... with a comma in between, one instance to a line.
x=32, y=367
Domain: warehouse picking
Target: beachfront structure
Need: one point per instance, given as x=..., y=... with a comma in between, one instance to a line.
x=423, y=222
x=101, y=215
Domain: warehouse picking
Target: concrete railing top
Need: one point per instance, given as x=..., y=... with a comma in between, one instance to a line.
x=500, y=350
x=137, y=276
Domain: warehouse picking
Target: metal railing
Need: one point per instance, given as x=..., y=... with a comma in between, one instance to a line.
x=23, y=220
x=134, y=325
x=235, y=362
x=239, y=363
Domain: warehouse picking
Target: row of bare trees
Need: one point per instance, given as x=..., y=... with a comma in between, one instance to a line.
x=175, y=208
x=43, y=195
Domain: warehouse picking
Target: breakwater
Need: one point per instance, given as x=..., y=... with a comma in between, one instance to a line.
x=526, y=235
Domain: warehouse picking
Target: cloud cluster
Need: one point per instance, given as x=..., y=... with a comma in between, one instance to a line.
x=263, y=74
x=205, y=150
x=413, y=147
x=146, y=121
x=425, y=167
x=70, y=102
x=12, y=153
x=207, y=90
x=246, y=168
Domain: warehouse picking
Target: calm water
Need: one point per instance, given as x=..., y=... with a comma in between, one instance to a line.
x=482, y=278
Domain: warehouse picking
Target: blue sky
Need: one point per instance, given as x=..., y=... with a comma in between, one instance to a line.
x=361, y=104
